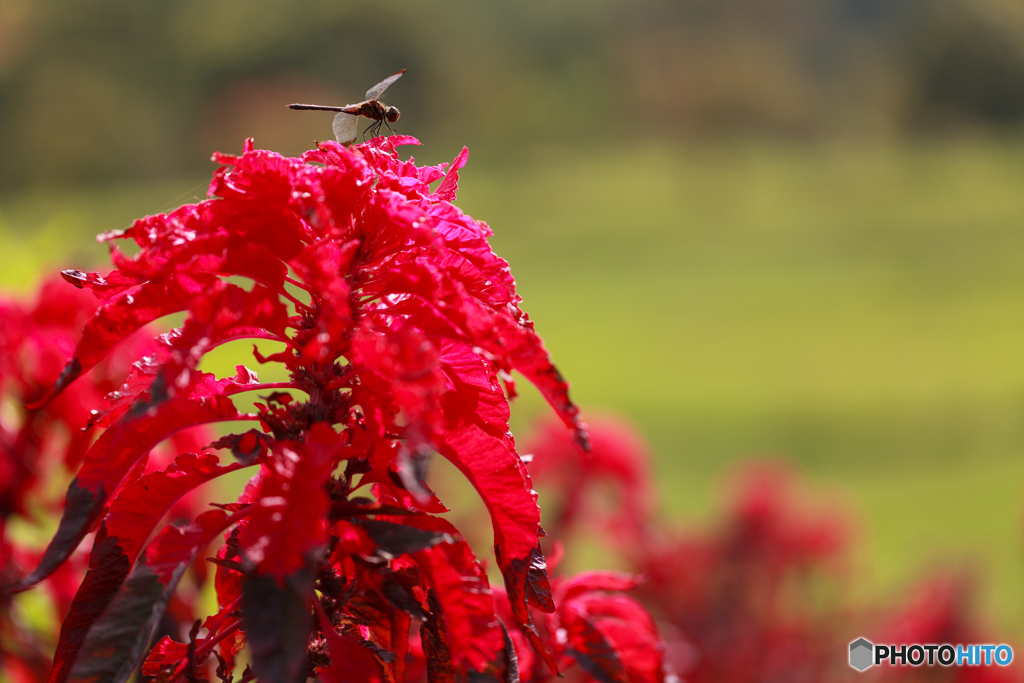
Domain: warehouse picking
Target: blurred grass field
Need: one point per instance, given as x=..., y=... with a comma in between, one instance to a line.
x=858, y=310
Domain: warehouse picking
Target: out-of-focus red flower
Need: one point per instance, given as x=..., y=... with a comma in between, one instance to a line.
x=596, y=625
x=733, y=596
x=618, y=460
x=940, y=610
x=756, y=598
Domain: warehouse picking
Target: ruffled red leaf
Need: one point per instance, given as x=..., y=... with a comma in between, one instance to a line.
x=171, y=661
x=609, y=634
x=450, y=185
x=289, y=520
x=614, y=639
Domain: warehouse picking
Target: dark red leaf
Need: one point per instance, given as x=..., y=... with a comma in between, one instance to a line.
x=247, y=447
x=117, y=641
x=81, y=508
x=393, y=539
x=434, y=637
x=511, y=660
x=275, y=614
x=593, y=653
x=401, y=595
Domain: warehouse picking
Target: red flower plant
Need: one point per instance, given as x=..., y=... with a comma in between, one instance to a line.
x=731, y=601
x=398, y=328
x=755, y=599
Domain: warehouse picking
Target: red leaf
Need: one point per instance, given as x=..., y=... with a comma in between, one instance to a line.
x=149, y=376
x=609, y=634
x=450, y=185
x=350, y=661
x=595, y=580
x=169, y=660
x=102, y=287
x=289, y=520
x=487, y=456
x=122, y=315
x=460, y=587
x=125, y=443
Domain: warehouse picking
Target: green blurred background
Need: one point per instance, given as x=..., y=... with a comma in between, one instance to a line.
x=791, y=228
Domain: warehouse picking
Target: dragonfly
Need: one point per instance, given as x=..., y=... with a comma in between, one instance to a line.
x=346, y=122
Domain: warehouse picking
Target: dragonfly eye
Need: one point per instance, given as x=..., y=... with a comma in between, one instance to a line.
x=392, y=114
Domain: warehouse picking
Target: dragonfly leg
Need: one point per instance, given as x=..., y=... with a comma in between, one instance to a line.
x=389, y=126
x=372, y=130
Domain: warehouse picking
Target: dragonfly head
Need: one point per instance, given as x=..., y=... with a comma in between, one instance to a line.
x=391, y=114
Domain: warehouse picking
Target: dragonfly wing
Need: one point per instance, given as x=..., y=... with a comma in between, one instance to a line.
x=378, y=90
x=346, y=128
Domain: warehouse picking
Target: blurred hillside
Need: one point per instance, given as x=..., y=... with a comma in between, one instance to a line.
x=104, y=90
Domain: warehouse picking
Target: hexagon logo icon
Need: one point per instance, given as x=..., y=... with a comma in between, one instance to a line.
x=861, y=651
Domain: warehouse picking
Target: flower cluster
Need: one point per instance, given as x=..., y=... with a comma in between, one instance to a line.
x=397, y=329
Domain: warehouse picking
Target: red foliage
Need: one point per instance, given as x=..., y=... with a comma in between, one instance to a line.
x=940, y=611
x=617, y=458
x=39, y=447
x=394, y=321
